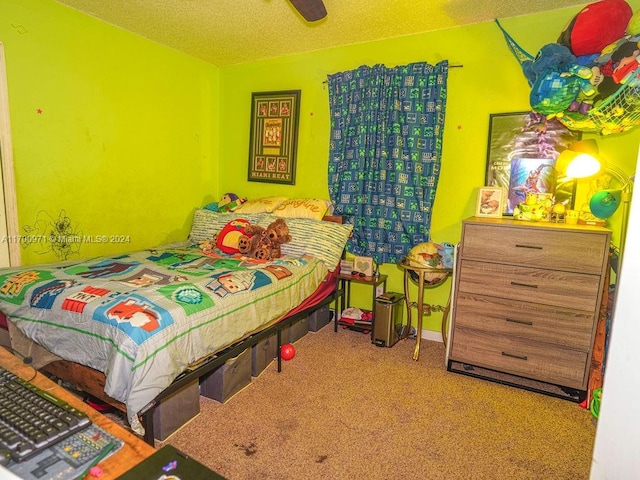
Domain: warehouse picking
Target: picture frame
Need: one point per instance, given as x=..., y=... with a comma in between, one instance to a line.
x=518, y=140
x=273, y=141
x=490, y=202
x=363, y=265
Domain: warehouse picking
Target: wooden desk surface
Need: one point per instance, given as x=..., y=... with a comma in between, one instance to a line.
x=134, y=450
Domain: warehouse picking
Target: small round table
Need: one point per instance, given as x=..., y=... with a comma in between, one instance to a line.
x=426, y=277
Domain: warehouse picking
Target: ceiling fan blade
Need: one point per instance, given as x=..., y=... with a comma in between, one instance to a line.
x=311, y=10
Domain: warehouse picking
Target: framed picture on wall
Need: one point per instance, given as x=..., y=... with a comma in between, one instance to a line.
x=521, y=154
x=490, y=202
x=274, y=136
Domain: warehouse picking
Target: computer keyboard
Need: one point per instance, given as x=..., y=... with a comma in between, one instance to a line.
x=32, y=420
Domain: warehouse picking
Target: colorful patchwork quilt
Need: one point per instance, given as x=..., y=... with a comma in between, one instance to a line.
x=142, y=318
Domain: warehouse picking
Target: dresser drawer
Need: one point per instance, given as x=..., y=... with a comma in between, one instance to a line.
x=536, y=246
x=550, y=287
x=539, y=323
x=539, y=361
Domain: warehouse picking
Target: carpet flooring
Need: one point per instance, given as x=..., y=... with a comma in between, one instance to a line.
x=343, y=408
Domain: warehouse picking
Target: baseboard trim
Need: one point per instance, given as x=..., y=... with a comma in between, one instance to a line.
x=432, y=336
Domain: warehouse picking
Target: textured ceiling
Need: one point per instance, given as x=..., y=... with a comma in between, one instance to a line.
x=228, y=32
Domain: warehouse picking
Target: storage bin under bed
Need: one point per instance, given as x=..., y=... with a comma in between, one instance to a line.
x=320, y=318
x=262, y=354
x=176, y=410
x=228, y=379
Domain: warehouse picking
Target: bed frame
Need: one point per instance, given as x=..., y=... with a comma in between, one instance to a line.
x=92, y=381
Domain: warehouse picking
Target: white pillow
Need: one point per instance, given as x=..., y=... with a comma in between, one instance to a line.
x=260, y=205
x=303, y=208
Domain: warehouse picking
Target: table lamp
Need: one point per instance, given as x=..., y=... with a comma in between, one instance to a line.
x=582, y=160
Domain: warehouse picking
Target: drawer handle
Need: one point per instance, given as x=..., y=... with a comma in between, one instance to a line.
x=535, y=247
x=528, y=285
x=521, y=322
x=519, y=357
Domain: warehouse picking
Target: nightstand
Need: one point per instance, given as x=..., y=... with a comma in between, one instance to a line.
x=344, y=284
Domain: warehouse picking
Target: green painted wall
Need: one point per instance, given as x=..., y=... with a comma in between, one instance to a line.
x=490, y=81
x=125, y=142
x=134, y=136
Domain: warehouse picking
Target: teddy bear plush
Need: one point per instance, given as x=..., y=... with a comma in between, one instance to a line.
x=251, y=240
x=257, y=244
x=278, y=233
x=264, y=243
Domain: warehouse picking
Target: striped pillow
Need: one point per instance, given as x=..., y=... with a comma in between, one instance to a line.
x=207, y=223
x=324, y=240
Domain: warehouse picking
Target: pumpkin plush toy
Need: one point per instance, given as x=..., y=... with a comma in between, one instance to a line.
x=232, y=238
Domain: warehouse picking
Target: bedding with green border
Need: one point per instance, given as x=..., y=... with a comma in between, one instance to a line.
x=141, y=318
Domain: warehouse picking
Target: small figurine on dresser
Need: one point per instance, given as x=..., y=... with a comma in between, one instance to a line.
x=535, y=208
x=558, y=212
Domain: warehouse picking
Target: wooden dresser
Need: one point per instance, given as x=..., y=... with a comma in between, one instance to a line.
x=526, y=302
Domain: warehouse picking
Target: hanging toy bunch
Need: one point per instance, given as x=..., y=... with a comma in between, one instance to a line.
x=589, y=79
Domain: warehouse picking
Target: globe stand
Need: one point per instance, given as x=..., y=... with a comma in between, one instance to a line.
x=425, y=277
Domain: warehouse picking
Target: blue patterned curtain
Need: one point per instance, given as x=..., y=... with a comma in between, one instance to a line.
x=385, y=154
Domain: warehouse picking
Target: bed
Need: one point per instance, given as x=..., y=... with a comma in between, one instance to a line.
x=147, y=322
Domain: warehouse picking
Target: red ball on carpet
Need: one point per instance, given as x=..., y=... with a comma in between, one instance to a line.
x=287, y=351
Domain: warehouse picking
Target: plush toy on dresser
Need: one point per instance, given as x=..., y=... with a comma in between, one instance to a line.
x=535, y=208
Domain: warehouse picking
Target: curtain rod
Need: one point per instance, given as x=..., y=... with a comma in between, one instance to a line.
x=450, y=66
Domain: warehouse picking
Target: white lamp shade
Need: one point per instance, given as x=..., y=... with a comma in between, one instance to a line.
x=583, y=165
